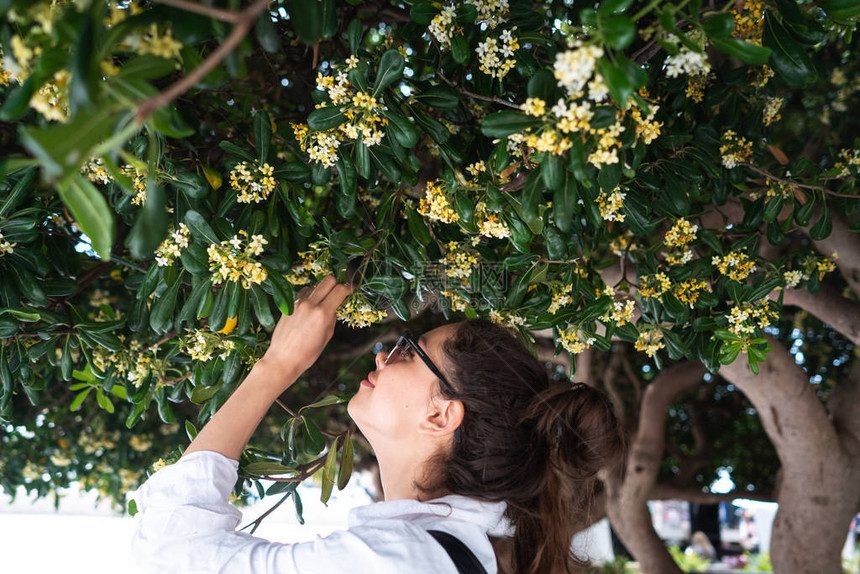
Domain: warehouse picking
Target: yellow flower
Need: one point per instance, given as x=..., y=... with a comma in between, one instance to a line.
x=560, y=297
x=459, y=261
x=735, y=149
x=746, y=317
x=688, y=291
x=435, y=204
x=650, y=340
x=254, y=182
x=6, y=246
x=681, y=233
x=653, y=286
x=749, y=21
x=620, y=312
x=736, y=265
x=477, y=168
x=162, y=44
x=232, y=261
x=573, y=341
x=357, y=312
x=610, y=205
x=534, y=107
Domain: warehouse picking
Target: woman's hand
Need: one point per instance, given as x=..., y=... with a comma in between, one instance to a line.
x=299, y=338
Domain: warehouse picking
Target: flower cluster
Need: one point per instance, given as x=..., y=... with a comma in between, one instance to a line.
x=173, y=244
x=95, y=171
x=772, y=106
x=650, y=341
x=820, y=265
x=5, y=246
x=792, y=278
x=610, y=205
x=203, y=345
x=735, y=149
x=574, y=341
x=620, y=312
x=561, y=296
x=735, y=265
x=608, y=143
x=681, y=233
x=435, y=205
x=138, y=182
x=534, y=107
x=253, y=182
x=315, y=264
x=850, y=158
x=455, y=301
x=574, y=68
x=233, y=260
x=320, y=146
x=505, y=318
x=52, y=99
x=686, y=61
x=696, y=86
x=653, y=286
x=647, y=128
x=490, y=224
x=357, y=312
x=140, y=371
x=161, y=44
x=496, y=55
x=490, y=12
x=459, y=261
x=749, y=21
x=443, y=28
x=745, y=317
x=688, y=291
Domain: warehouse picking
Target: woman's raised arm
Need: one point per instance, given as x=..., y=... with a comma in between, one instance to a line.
x=296, y=344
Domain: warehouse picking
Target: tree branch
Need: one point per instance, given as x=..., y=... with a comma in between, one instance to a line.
x=244, y=21
x=215, y=13
x=466, y=92
x=831, y=307
x=665, y=492
x=769, y=175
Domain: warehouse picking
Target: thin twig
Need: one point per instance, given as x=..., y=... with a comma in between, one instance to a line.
x=803, y=185
x=286, y=408
x=216, y=13
x=243, y=25
x=466, y=92
x=177, y=380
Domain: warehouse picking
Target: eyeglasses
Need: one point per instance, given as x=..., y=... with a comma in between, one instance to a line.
x=407, y=342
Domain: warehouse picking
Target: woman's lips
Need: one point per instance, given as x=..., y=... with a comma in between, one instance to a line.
x=367, y=383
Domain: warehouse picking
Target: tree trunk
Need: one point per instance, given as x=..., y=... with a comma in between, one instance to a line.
x=627, y=496
x=820, y=489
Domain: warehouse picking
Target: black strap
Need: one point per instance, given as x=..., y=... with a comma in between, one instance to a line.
x=464, y=560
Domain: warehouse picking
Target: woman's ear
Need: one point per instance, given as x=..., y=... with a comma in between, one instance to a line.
x=443, y=418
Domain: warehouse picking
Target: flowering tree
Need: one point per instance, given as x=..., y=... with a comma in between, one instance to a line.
x=665, y=179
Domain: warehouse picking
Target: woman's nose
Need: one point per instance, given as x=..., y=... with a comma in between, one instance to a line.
x=380, y=359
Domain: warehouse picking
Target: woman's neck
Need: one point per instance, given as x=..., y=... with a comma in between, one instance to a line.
x=401, y=468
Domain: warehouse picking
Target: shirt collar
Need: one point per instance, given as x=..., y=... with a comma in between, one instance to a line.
x=454, y=507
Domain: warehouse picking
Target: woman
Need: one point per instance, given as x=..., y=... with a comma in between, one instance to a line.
x=467, y=430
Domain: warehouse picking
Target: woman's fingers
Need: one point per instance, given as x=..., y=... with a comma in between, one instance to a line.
x=336, y=296
x=322, y=289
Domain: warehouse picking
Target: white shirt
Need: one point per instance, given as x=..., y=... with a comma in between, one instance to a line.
x=186, y=524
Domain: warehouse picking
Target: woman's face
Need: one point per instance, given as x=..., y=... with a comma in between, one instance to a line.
x=395, y=399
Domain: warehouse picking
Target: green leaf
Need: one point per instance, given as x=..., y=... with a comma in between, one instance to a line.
x=439, y=97
x=267, y=34
x=262, y=131
x=744, y=51
x=282, y=290
x=840, y=9
x=404, y=132
x=346, y=461
x=354, y=33
x=79, y=399
x=324, y=402
x=824, y=226
x=146, y=67
x=423, y=13
x=91, y=212
x=460, y=49
x=328, y=475
x=190, y=430
x=788, y=59
x=613, y=6
x=62, y=147
x=268, y=468
x=314, y=441
x=552, y=171
x=260, y=303
x=618, y=31
x=326, y=118
x=719, y=26
x=200, y=229
x=161, y=315
x=391, y=67
x=236, y=151
x=306, y=18
x=503, y=124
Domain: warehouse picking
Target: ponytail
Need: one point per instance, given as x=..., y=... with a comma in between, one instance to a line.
x=536, y=446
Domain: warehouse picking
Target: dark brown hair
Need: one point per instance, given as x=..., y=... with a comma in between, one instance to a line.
x=535, y=445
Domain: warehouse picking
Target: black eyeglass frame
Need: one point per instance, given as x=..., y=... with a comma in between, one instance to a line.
x=407, y=338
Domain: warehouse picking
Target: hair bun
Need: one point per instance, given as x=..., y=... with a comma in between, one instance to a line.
x=578, y=426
